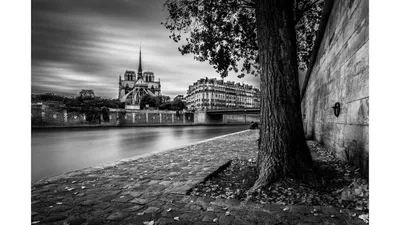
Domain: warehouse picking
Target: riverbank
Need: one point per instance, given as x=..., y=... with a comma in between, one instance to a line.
x=58, y=150
x=129, y=125
x=148, y=156
x=153, y=189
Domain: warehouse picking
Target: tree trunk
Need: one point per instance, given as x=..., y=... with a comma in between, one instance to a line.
x=282, y=148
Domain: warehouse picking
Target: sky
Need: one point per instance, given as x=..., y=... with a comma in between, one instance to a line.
x=87, y=44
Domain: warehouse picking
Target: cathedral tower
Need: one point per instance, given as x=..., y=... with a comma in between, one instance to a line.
x=140, y=64
x=132, y=88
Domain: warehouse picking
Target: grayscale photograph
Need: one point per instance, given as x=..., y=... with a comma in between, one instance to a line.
x=199, y=112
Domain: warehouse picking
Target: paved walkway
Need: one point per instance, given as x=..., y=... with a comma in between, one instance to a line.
x=152, y=190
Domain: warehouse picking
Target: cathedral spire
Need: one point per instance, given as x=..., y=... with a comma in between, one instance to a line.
x=140, y=63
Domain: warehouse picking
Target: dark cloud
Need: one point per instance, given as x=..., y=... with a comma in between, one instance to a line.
x=80, y=44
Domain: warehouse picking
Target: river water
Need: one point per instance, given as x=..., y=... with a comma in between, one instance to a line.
x=56, y=151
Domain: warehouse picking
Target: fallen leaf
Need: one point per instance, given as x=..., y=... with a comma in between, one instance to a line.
x=364, y=217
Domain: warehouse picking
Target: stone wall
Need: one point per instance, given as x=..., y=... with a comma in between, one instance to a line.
x=246, y=118
x=36, y=114
x=46, y=116
x=75, y=118
x=201, y=117
x=54, y=117
x=341, y=74
x=140, y=117
x=154, y=118
x=132, y=116
x=167, y=118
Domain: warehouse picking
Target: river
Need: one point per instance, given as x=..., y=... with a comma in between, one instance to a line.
x=56, y=151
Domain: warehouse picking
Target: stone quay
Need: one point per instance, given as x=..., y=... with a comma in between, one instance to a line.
x=153, y=190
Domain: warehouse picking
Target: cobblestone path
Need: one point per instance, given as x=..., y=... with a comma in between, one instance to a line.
x=152, y=190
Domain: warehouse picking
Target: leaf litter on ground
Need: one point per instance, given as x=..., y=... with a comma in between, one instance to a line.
x=344, y=186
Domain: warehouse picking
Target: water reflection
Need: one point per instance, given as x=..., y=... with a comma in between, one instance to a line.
x=58, y=151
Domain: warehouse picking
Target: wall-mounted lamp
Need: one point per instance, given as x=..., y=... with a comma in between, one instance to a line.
x=336, y=109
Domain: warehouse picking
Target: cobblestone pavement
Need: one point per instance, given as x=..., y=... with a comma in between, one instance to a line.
x=152, y=190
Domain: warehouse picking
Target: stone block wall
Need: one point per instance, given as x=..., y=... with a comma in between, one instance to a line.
x=113, y=118
x=54, y=117
x=234, y=119
x=178, y=118
x=153, y=118
x=129, y=117
x=245, y=119
x=36, y=115
x=45, y=116
x=132, y=116
x=341, y=74
x=140, y=118
x=167, y=118
x=75, y=118
x=126, y=118
x=189, y=117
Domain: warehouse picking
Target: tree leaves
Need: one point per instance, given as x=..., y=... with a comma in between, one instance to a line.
x=345, y=188
x=223, y=32
x=231, y=183
x=308, y=15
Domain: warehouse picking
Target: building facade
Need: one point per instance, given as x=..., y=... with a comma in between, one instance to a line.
x=217, y=94
x=133, y=87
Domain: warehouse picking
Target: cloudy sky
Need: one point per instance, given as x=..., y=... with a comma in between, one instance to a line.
x=87, y=44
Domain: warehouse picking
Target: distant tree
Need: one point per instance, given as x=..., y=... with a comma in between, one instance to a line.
x=165, y=106
x=268, y=38
x=47, y=97
x=86, y=94
x=165, y=98
x=178, y=105
x=91, y=107
x=180, y=97
x=34, y=98
x=92, y=114
x=78, y=101
x=105, y=113
x=148, y=100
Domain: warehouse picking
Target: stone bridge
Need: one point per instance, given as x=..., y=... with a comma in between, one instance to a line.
x=227, y=116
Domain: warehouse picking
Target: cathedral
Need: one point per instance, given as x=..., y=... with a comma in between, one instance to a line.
x=132, y=88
